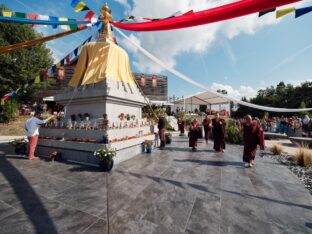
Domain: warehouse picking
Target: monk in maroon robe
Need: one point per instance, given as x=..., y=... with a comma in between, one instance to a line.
x=218, y=131
x=253, y=136
x=181, y=124
x=207, y=127
x=193, y=134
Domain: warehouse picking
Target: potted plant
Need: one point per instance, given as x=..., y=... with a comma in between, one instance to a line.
x=80, y=117
x=148, y=146
x=105, y=139
x=168, y=138
x=133, y=117
x=20, y=146
x=128, y=117
x=73, y=117
x=105, y=157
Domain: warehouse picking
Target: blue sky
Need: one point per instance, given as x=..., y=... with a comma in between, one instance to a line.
x=241, y=55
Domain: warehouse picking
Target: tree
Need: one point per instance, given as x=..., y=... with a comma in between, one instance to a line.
x=19, y=66
x=303, y=106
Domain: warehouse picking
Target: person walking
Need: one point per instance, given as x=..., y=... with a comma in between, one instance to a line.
x=207, y=127
x=181, y=124
x=32, y=126
x=218, y=131
x=162, y=130
x=253, y=136
x=193, y=134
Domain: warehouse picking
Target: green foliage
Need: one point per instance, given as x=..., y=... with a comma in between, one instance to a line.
x=283, y=96
x=105, y=154
x=9, y=111
x=233, y=133
x=21, y=65
x=302, y=106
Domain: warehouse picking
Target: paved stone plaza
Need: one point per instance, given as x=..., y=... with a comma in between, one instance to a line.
x=172, y=191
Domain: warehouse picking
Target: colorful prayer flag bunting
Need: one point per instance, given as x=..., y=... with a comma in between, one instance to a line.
x=20, y=15
x=302, y=11
x=67, y=58
x=91, y=16
x=283, y=12
x=52, y=18
x=37, y=79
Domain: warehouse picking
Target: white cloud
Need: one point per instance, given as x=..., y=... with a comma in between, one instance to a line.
x=168, y=45
x=242, y=91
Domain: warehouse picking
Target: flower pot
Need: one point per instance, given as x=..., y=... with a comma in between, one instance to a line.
x=106, y=165
x=149, y=150
x=105, y=141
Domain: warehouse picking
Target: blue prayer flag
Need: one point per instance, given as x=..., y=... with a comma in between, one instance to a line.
x=302, y=11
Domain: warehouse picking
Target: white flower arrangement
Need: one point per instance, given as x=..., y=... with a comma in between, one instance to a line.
x=105, y=154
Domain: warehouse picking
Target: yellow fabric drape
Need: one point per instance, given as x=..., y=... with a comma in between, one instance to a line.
x=99, y=61
x=7, y=13
x=283, y=12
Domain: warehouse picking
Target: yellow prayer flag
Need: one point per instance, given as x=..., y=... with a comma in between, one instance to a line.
x=37, y=80
x=64, y=27
x=283, y=12
x=80, y=6
x=7, y=13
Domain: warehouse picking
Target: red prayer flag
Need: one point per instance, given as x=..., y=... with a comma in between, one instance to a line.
x=67, y=58
x=45, y=74
x=34, y=17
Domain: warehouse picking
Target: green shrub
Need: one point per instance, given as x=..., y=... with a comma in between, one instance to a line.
x=234, y=135
x=10, y=111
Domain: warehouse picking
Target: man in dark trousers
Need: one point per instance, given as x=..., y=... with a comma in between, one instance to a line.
x=162, y=130
x=253, y=136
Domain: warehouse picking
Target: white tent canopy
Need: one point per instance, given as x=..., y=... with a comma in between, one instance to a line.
x=202, y=98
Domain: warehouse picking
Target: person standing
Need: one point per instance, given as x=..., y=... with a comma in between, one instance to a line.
x=32, y=126
x=181, y=124
x=253, y=136
x=218, y=131
x=193, y=134
x=207, y=127
x=162, y=130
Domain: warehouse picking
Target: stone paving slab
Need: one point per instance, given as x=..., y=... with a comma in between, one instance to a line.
x=171, y=191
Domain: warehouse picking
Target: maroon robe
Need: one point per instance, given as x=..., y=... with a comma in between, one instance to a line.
x=193, y=135
x=218, y=131
x=253, y=136
x=181, y=124
x=207, y=128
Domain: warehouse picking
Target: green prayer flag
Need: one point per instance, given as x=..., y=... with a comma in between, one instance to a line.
x=20, y=15
x=266, y=12
x=73, y=26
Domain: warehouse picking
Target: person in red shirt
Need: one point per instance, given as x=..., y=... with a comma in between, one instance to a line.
x=253, y=136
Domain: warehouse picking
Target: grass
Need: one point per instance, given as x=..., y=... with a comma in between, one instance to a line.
x=303, y=156
x=277, y=149
x=14, y=128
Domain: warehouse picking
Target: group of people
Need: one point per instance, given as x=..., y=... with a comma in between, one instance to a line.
x=215, y=128
x=293, y=126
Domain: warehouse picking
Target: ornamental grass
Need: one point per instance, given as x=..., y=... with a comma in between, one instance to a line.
x=303, y=156
x=277, y=149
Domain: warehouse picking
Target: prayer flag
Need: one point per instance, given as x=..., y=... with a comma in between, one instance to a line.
x=43, y=17
x=91, y=16
x=64, y=27
x=79, y=6
x=31, y=82
x=266, y=12
x=90, y=38
x=32, y=16
x=45, y=74
x=76, y=52
x=54, y=70
x=7, y=13
x=37, y=79
x=302, y=11
x=62, y=62
x=72, y=26
x=283, y=12
x=60, y=73
x=20, y=15
x=52, y=18
x=41, y=77
x=67, y=59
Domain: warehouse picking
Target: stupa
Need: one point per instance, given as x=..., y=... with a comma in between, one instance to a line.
x=102, y=98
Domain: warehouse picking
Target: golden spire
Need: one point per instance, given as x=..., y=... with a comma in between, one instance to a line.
x=106, y=32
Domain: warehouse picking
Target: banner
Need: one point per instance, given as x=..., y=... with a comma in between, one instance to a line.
x=266, y=12
x=225, y=12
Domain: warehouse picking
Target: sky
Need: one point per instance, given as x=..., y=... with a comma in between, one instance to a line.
x=241, y=55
